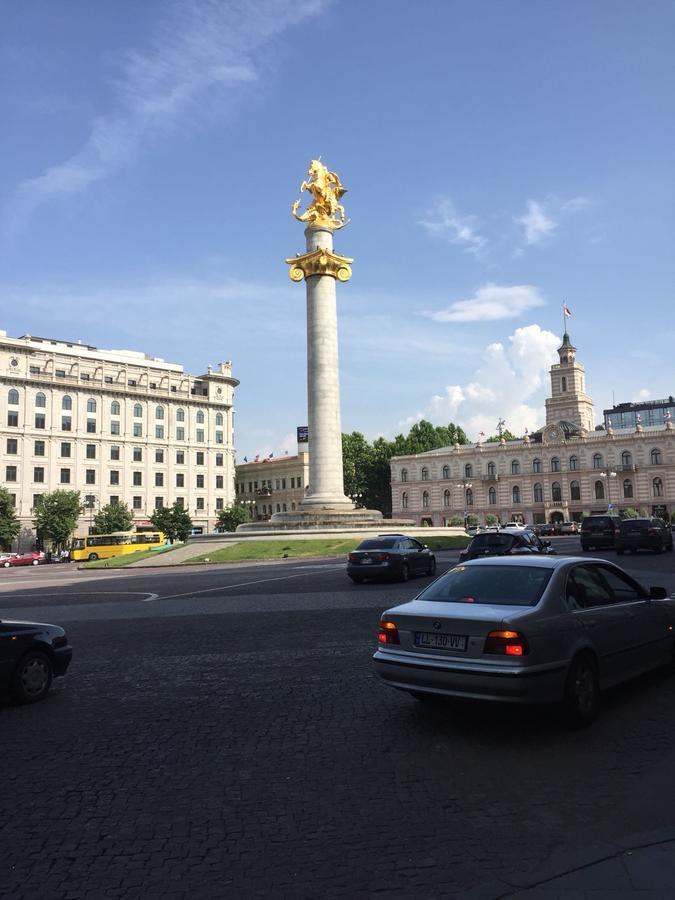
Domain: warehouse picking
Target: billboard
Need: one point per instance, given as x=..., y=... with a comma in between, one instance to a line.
x=303, y=434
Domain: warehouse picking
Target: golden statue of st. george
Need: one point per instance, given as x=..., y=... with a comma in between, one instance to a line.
x=326, y=189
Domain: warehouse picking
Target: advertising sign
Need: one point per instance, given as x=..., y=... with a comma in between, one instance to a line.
x=303, y=434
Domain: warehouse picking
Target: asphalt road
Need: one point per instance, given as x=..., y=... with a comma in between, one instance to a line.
x=221, y=733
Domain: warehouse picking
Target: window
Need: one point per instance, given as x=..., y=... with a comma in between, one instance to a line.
x=555, y=464
x=38, y=474
x=37, y=499
x=468, y=471
x=138, y=454
x=159, y=479
x=12, y=446
x=180, y=415
x=219, y=437
x=446, y=498
x=13, y=397
x=221, y=505
x=597, y=461
x=536, y=465
x=114, y=408
x=515, y=467
x=180, y=457
x=200, y=457
x=627, y=489
x=404, y=474
x=67, y=402
x=65, y=476
x=136, y=502
x=425, y=500
x=278, y=507
x=39, y=420
x=599, y=490
x=159, y=502
x=563, y=384
x=159, y=432
x=66, y=424
x=219, y=482
x=138, y=411
x=40, y=400
x=114, y=428
x=657, y=487
x=159, y=412
x=90, y=452
x=655, y=457
x=60, y=373
x=91, y=426
x=585, y=589
x=446, y=471
x=137, y=479
x=200, y=503
x=180, y=480
x=90, y=476
x=626, y=459
x=492, y=496
x=132, y=382
x=424, y=474
x=10, y=473
x=200, y=436
x=138, y=429
x=114, y=453
x=219, y=420
x=625, y=590
x=200, y=417
x=556, y=492
x=65, y=448
x=84, y=376
x=469, y=497
x=180, y=434
x=574, y=463
x=219, y=462
x=114, y=476
x=515, y=493
x=200, y=481
x=575, y=490
x=159, y=456
x=39, y=448
x=12, y=419
x=114, y=500
x=491, y=469
x=538, y=492
x=91, y=405
x=180, y=502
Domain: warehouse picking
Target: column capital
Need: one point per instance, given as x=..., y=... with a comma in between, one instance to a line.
x=320, y=262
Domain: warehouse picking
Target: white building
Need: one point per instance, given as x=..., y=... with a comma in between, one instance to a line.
x=117, y=425
x=273, y=485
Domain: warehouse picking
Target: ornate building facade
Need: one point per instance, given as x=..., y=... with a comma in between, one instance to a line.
x=273, y=485
x=560, y=472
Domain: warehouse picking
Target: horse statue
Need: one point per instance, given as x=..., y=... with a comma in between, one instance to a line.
x=326, y=190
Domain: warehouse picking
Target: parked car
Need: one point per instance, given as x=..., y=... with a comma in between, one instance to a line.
x=30, y=655
x=505, y=543
x=390, y=556
x=568, y=528
x=547, y=529
x=535, y=630
x=643, y=534
x=599, y=532
x=34, y=558
x=516, y=526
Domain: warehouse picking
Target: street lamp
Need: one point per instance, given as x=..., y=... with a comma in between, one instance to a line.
x=89, y=503
x=466, y=485
x=608, y=474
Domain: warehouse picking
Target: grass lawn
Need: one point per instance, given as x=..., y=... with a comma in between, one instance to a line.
x=279, y=550
x=117, y=562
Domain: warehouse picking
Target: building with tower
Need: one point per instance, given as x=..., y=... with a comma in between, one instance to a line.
x=564, y=470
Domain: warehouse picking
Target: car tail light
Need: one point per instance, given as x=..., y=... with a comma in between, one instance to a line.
x=352, y=557
x=506, y=643
x=383, y=557
x=652, y=531
x=388, y=633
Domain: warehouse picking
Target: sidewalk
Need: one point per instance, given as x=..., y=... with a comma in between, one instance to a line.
x=640, y=866
x=176, y=557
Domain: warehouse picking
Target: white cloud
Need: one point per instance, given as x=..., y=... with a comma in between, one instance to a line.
x=202, y=54
x=536, y=223
x=510, y=382
x=642, y=395
x=490, y=302
x=443, y=221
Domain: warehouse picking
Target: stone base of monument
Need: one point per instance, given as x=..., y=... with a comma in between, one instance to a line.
x=327, y=520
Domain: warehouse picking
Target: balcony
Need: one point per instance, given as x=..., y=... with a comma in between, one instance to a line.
x=628, y=467
x=492, y=478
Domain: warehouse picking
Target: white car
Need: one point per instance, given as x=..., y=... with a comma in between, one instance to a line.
x=514, y=526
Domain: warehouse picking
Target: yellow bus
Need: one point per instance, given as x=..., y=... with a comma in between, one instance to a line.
x=103, y=546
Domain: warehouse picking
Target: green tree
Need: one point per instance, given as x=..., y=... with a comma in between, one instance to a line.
x=490, y=519
x=181, y=521
x=356, y=463
x=228, y=519
x=506, y=434
x=9, y=524
x=163, y=521
x=472, y=519
x=113, y=517
x=456, y=521
x=630, y=513
x=56, y=516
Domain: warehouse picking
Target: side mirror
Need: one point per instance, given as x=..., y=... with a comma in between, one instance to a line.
x=425, y=547
x=657, y=593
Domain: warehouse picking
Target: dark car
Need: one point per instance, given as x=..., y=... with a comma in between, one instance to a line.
x=30, y=655
x=599, y=532
x=390, y=556
x=548, y=528
x=643, y=534
x=505, y=543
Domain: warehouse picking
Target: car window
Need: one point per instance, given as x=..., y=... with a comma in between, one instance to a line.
x=585, y=589
x=415, y=545
x=492, y=541
x=622, y=586
x=499, y=585
x=377, y=544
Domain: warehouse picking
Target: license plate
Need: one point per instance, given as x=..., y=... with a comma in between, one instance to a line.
x=366, y=561
x=440, y=641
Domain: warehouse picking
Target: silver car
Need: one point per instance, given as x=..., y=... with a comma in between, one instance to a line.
x=540, y=630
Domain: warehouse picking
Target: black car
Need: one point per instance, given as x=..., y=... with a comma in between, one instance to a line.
x=548, y=528
x=30, y=655
x=390, y=556
x=599, y=532
x=505, y=543
x=643, y=534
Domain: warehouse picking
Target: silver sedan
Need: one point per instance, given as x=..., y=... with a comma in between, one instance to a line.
x=539, y=630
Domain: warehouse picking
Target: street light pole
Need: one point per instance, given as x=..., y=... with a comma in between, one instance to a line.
x=466, y=485
x=609, y=473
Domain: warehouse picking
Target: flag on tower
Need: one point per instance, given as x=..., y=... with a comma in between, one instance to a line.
x=271, y=455
x=481, y=434
x=566, y=311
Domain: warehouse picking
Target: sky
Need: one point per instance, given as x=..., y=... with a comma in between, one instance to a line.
x=501, y=158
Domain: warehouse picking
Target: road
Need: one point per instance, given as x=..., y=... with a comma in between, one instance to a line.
x=221, y=734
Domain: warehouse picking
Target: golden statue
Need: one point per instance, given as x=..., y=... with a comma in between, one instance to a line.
x=326, y=190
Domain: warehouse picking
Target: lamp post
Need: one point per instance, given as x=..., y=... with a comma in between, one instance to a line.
x=89, y=503
x=608, y=473
x=466, y=485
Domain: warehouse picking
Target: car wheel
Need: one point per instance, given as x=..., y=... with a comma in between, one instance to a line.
x=6, y=565
x=32, y=677
x=432, y=566
x=356, y=579
x=35, y=562
x=582, y=691
x=93, y=556
x=405, y=572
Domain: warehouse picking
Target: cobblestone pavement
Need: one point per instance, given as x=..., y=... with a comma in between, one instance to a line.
x=219, y=752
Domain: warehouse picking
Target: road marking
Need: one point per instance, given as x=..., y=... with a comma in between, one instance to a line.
x=227, y=587
x=148, y=595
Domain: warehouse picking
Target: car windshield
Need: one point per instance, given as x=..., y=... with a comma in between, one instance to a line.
x=379, y=544
x=501, y=585
x=492, y=541
x=635, y=524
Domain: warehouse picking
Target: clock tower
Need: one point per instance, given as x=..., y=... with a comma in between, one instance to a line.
x=569, y=401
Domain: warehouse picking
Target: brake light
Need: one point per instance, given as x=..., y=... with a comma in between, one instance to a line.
x=506, y=643
x=383, y=557
x=652, y=531
x=388, y=633
x=352, y=557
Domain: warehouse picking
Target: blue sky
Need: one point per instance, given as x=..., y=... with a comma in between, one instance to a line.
x=500, y=158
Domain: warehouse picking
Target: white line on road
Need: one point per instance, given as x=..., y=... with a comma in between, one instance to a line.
x=65, y=596
x=227, y=587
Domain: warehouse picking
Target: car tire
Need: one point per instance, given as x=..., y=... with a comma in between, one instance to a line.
x=405, y=572
x=92, y=557
x=582, y=691
x=356, y=579
x=35, y=562
x=431, y=570
x=32, y=677
x=6, y=565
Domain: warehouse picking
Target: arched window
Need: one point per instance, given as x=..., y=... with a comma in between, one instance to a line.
x=159, y=412
x=424, y=475
x=468, y=471
x=13, y=397
x=656, y=457
x=425, y=500
x=40, y=400
x=555, y=464
x=538, y=492
x=575, y=490
x=599, y=490
x=67, y=402
x=446, y=498
x=138, y=411
x=114, y=408
x=91, y=405
x=626, y=459
x=180, y=415
x=404, y=476
x=556, y=492
x=564, y=384
x=597, y=462
x=200, y=417
x=491, y=468
x=536, y=465
x=628, y=488
x=404, y=500
x=469, y=497
x=515, y=467
x=574, y=463
x=446, y=471
x=219, y=419
x=492, y=496
x=657, y=486
x=515, y=493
